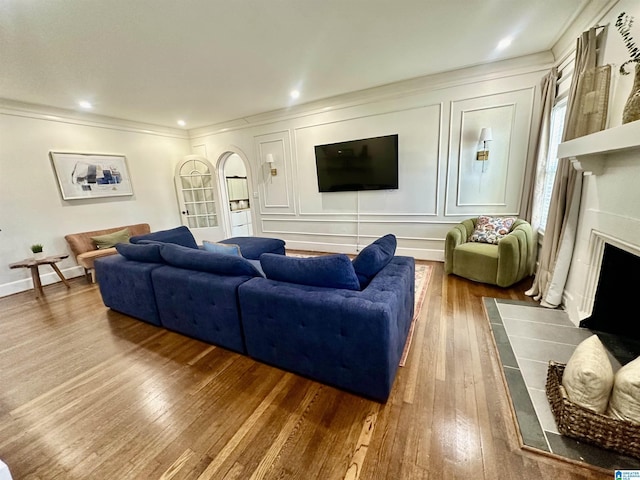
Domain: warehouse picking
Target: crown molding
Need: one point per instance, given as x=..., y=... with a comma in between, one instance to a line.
x=473, y=74
x=52, y=114
x=592, y=13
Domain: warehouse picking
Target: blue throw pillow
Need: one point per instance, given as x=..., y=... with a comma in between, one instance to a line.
x=140, y=253
x=224, y=248
x=331, y=271
x=203, y=261
x=180, y=236
x=374, y=258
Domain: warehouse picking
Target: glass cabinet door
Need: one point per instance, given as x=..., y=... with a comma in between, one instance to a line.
x=195, y=189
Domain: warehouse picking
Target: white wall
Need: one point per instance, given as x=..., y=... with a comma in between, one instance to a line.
x=234, y=166
x=438, y=120
x=31, y=207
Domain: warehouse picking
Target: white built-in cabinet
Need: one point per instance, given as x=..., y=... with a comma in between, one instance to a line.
x=241, y=223
x=238, y=192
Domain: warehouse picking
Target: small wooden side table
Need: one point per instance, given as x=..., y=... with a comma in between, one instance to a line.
x=33, y=264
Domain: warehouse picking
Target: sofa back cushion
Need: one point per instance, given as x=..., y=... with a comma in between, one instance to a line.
x=109, y=240
x=203, y=261
x=374, y=258
x=224, y=248
x=148, y=253
x=180, y=236
x=331, y=271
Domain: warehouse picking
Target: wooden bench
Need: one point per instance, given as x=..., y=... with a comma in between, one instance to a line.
x=85, y=251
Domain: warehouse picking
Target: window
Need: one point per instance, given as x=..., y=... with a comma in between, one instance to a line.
x=547, y=173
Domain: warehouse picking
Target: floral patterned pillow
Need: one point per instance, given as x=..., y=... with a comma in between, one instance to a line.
x=491, y=229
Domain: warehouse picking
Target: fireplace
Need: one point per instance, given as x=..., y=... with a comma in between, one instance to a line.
x=615, y=296
x=609, y=217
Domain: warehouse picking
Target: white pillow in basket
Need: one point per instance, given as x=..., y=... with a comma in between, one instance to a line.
x=588, y=376
x=624, y=403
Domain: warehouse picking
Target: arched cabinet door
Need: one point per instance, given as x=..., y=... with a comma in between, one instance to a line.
x=196, y=192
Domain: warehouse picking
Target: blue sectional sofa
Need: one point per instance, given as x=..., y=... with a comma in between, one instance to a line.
x=339, y=322
x=351, y=339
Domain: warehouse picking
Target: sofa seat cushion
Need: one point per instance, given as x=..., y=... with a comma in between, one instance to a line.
x=330, y=271
x=87, y=259
x=476, y=261
x=203, y=261
x=374, y=258
x=180, y=236
x=253, y=247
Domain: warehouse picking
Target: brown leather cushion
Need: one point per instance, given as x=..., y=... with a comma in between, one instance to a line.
x=86, y=259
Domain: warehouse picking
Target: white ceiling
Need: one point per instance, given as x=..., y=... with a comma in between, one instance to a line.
x=209, y=61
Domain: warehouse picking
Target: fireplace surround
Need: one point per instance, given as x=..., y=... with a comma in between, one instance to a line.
x=609, y=214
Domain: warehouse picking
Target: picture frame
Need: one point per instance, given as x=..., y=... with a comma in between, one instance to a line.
x=84, y=176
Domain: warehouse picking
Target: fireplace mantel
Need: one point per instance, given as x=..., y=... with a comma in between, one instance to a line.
x=589, y=153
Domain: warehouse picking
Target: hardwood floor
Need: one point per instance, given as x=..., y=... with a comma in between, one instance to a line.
x=87, y=393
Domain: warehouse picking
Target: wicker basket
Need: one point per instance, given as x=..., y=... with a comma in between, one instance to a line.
x=586, y=425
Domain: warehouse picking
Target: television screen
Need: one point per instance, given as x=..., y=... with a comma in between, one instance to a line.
x=366, y=164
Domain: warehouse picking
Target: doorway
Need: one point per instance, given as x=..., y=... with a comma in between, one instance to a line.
x=234, y=181
x=196, y=193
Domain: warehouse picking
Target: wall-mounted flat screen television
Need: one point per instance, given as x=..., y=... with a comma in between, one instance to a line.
x=366, y=164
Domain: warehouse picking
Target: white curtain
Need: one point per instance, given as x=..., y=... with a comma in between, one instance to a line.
x=560, y=231
x=548, y=86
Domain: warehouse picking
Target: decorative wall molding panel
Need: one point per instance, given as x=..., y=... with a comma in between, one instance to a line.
x=494, y=185
x=277, y=190
x=419, y=131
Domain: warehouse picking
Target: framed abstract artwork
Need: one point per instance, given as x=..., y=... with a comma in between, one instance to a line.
x=90, y=175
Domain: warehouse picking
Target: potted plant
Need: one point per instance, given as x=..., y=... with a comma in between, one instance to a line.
x=37, y=250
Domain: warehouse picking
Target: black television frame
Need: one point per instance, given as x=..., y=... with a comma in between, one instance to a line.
x=365, y=164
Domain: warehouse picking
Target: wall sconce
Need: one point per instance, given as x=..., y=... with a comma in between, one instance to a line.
x=269, y=161
x=483, y=149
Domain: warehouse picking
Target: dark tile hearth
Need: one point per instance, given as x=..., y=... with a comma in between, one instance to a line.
x=527, y=338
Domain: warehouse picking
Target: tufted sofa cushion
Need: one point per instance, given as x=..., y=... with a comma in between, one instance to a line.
x=330, y=271
x=149, y=253
x=203, y=261
x=200, y=305
x=179, y=236
x=126, y=287
x=374, y=258
x=253, y=247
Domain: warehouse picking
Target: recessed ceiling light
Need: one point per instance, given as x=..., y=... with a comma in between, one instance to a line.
x=504, y=43
x=294, y=94
x=182, y=123
x=85, y=104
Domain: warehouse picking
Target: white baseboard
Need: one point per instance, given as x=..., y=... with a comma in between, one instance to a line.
x=46, y=278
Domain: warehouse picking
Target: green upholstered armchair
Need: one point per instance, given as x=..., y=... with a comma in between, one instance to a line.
x=504, y=264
